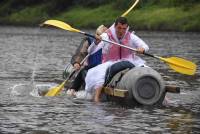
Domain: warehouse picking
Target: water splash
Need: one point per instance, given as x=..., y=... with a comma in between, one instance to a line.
x=21, y=90
x=41, y=89
x=32, y=83
x=27, y=89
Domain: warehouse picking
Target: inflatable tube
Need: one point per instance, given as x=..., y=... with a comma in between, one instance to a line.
x=144, y=85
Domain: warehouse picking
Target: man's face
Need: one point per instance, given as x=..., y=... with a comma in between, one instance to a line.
x=120, y=30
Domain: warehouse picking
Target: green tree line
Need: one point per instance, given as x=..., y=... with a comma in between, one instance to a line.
x=148, y=14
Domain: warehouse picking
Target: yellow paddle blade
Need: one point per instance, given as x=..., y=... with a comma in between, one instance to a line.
x=55, y=90
x=124, y=14
x=180, y=65
x=60, y=24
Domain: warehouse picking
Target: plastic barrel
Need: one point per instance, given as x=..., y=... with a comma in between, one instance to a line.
x=144, y=85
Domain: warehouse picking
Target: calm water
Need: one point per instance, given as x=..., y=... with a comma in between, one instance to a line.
x=32, y=56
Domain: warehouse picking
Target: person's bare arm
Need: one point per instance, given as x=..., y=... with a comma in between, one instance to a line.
x=80, y=54
x=97, y=94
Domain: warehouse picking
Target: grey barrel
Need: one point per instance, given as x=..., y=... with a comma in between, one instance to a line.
x=144, y=85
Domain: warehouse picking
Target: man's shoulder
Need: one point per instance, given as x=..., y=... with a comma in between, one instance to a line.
x=132, y=32
x=133, y=35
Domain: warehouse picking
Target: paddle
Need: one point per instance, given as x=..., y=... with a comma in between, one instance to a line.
x=134, y=4
x=56, y=90
x=177, y=64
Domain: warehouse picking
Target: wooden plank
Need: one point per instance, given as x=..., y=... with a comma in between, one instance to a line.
x=115, y=92
x=108, y=91
x=123, y=93
x=172, y=89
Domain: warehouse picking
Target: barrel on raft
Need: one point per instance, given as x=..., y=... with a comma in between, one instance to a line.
x=138, y=86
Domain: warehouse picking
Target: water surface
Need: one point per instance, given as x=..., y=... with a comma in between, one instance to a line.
x=31, y=56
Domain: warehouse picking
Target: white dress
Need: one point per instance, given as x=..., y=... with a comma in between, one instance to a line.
x=95, y=77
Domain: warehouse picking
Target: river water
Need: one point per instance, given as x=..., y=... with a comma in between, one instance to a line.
x=34, y=56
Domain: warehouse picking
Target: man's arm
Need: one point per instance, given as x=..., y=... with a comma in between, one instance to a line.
x=97, y=94
x=139, y=44
x=80, y=53
x=95, y=46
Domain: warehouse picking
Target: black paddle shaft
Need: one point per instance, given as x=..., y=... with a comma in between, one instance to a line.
x=71, y=74
x=147, y=54
x=87, y=34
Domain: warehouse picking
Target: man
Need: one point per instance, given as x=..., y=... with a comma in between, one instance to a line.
x=93, y=60
x=112, y=53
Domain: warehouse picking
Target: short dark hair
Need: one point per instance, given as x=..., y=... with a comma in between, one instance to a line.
x=121, y=20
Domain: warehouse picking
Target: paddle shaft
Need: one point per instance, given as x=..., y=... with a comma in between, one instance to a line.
x=56, y=90
x=130, y=48
x=73, y=72
x=125, y=13
x=178, y=64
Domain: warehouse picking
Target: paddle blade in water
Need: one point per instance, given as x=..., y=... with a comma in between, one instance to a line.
x=56, y=90
x=60, y=24
x=181, y=65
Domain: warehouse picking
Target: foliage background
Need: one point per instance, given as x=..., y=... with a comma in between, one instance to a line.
x=176, y=15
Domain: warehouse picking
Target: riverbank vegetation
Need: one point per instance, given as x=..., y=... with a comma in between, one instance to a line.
x=176, y=15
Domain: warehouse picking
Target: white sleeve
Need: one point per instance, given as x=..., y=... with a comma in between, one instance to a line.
x=92, y=48
x=102, y=45
x=105, y=45
x=138, y=42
